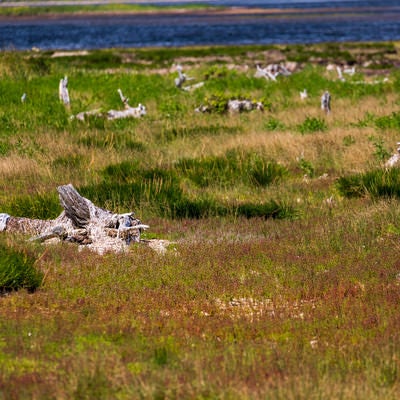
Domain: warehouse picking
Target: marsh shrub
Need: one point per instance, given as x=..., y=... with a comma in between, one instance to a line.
x=264, y=172
x=70, y=161
x=99, y=59
x=307, y=167
x=126, y=186
x=376, y=183
x=380, y=153
x=4, y=149
x=349, y=140
x=391, y=121
x=234, y=167
x=121, y=172
x=311, y=125
x=170, y=134
x=233, y=80
x=110, y=141
x=274, y=124
x=39, y=206
x=197, y=208
x=368, y=120
x=271, y=209
x=17, y=270
x=171, y=107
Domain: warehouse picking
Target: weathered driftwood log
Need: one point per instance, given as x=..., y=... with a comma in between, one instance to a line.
x=135, y=112
x=326, y=102
x=128, y=112
x=84, y=114
x=233, y=106
x=271, y=71
x=81, y=222
x=237, y=106
x=182, y=78
x=195, y=86
x=63, y=91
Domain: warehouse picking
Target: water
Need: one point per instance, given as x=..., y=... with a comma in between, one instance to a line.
x=315, y=21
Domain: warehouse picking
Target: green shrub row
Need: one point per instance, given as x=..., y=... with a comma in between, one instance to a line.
x=376, y=183
x=128, y=186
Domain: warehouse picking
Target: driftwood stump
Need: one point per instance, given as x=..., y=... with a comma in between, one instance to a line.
x=81, y=222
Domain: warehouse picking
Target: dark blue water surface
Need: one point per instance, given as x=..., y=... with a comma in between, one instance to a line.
x=313, y=22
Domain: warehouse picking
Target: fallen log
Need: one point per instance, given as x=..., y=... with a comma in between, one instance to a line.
x=81, y=222
x=233, y=106
x=127, y=112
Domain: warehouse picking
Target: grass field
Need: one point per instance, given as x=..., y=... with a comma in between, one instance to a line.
x=282, y=280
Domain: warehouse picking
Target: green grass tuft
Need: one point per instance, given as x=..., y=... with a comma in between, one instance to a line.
x=17, y=270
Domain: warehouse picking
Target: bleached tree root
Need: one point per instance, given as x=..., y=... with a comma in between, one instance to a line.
x=81, y=222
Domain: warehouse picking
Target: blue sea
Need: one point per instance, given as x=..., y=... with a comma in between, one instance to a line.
x=279, y=22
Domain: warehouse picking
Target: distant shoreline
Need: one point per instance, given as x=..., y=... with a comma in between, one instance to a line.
x=326, y=12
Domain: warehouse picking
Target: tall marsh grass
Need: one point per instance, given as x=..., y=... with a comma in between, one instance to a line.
x=375, y=183
x=17, y=270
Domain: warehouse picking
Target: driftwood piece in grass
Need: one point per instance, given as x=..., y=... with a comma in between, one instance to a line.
x=271, y=72
x=237, y=106
x=128, y=112
x=326, y=102
x=81, y=222
x=394, y=160
x=63, y=91
x=135, y=112
x=182, y=78
x=233, y=106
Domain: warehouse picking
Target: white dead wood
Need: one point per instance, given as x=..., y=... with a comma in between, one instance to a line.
x=265, y=73
x=271, y=71
x=23, y=98
x=350, y=70
x=3, y=221
x=133, y=112
x=394, y=159
x=63, y=91
x=234, y=106
x=82, y=115
x=237, y=106
x=283, y=70
x=182, y=78
x=303, y=94
x=340, y=74
x=195, y=86
x=326, y=102
x=202, y=108
x=129, y=112
x=81, y=222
